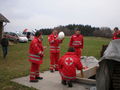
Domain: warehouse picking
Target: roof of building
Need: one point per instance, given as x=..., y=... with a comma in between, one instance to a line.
x=3, y=19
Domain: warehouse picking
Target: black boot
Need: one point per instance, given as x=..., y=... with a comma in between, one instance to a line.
x=34, y=81
x=39, y=78
x=64, y=82
x=56, y=69
x=70, y=84
x=51, y=71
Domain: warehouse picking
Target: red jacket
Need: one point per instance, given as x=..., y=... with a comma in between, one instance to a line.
x=35, y=48
x=68, y=65
x=115, y=35
x=76, y=41
x=54, y=43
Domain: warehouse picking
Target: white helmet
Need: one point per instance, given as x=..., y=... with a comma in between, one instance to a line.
x=61, y=35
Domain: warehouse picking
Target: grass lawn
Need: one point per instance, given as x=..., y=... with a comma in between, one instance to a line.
x=17, y=65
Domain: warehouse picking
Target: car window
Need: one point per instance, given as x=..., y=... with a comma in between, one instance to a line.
x=20, y=34
x=13, y=34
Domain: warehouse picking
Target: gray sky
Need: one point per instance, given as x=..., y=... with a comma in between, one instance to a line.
x=36, y=14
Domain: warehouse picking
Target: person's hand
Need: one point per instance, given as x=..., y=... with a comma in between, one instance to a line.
x=81, y=49
x=44, y=47
x=57, y=38
x=63, y=38
x=82, y=74
x=40, y=53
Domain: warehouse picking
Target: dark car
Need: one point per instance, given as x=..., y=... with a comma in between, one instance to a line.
x=12, y=36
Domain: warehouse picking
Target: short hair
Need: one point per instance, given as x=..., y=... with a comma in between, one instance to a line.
x=71, y=49
x=54, y=30
x=77, y=29
x=116, y=28
x=38, y=33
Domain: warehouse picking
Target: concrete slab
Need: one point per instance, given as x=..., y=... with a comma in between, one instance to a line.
x=51, y=81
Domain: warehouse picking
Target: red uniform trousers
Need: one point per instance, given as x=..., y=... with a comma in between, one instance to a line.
x=34, y=72
x=54, y=57
x=78, y=52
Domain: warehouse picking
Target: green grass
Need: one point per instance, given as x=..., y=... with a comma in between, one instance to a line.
x=16, y=64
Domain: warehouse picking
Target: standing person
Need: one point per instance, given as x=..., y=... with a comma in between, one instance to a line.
x=68, y=65
x=4, y=44
x=54, y=50
x=116, y=33
x=36, y=56
x=76, y=41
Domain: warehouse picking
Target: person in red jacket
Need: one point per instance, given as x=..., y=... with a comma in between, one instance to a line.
x=36, y=56
x=54, y=50
x=76, y=41
x=116, y=34
x=68, y=65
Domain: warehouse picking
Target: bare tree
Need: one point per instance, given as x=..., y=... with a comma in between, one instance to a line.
x=103, y=32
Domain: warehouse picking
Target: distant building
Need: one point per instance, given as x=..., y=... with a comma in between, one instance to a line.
x=2, y=21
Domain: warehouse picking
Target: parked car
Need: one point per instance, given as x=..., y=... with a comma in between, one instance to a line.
x=11, y=36
x=16, y=37
x=21, y=37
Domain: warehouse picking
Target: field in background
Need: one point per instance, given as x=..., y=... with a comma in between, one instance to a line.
x=16, y=64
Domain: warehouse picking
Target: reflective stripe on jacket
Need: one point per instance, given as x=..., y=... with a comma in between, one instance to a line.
x=68, y=77
x=35, y=48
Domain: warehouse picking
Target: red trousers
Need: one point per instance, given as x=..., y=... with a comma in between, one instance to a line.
x=54, y=57
x=78, y=52
x=34, y=71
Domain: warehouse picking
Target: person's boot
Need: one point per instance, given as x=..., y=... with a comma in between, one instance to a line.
x=51, y=71
x=34, y=81
x=64, y=82
x=56, y=69
x=39, y=78
x=70, y=84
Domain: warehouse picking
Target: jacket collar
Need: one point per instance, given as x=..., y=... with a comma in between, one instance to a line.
x=70, y=53
x=54, y=35
x=77, y=35
x=37, y=39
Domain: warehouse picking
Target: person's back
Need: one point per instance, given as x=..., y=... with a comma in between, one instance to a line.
x=4, y=44
x=68, y=65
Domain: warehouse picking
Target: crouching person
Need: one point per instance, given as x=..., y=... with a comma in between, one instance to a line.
x=68, y=65
x=35, y=57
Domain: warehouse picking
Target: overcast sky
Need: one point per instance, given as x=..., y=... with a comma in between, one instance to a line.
x=36, y=14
